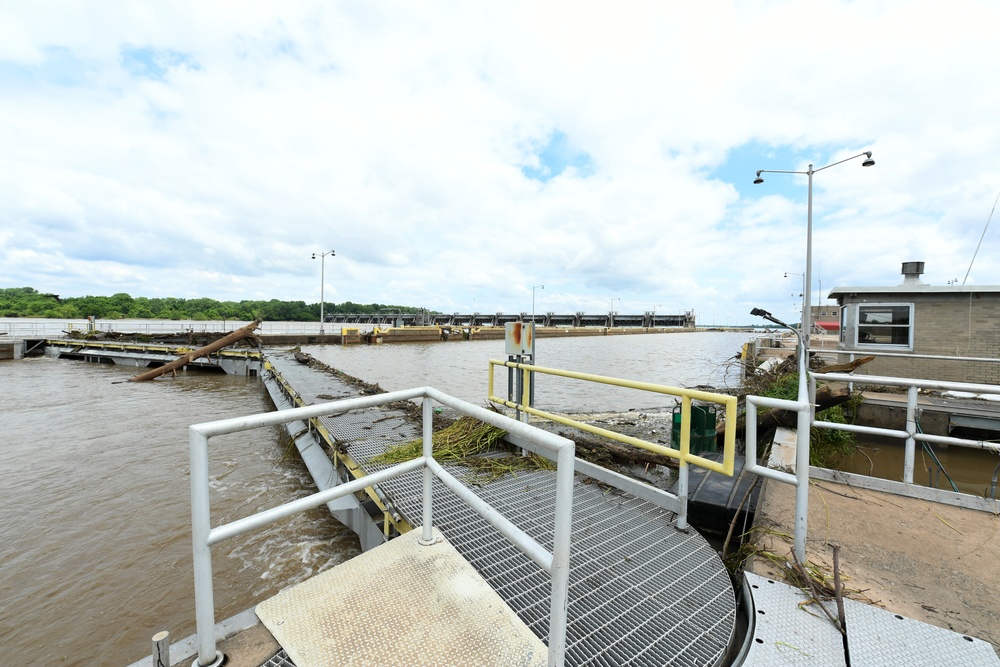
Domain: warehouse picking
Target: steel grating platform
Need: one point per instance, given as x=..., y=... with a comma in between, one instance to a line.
x=279, y=659
x=641, y=592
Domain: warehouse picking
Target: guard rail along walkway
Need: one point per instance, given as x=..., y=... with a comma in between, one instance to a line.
x=806, y=409
x=555, y=563
x=682, y=454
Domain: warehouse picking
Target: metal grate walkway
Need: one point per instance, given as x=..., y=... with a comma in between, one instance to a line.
x=641, y=592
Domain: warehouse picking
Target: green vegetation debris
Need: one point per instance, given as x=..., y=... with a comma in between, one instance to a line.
x=826, y=446
x=472, y=443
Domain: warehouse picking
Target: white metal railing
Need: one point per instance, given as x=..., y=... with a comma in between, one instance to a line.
x=806, y=410
x=800, y=480
x=912, y=433
x=555, y=563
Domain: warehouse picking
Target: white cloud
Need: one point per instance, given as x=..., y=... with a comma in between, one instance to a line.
x=242, y=137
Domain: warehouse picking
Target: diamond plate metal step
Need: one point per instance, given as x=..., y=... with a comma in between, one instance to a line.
x=400, y=604
x=789, y=632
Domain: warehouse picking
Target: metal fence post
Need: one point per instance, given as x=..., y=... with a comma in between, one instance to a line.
x=682, y=464
x=562, y=532
x=803, y=424
x=204, y=600
x=427, y=535
x=909, y=453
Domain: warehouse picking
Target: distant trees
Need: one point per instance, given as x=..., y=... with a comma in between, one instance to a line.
x=28, y=302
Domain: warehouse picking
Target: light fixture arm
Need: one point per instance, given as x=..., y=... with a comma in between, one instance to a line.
x=806, y=325
x=867, y=154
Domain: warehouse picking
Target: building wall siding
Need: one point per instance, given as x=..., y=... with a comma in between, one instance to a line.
x=958, y=324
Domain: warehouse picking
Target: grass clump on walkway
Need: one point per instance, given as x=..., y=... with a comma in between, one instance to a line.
x=472, y=443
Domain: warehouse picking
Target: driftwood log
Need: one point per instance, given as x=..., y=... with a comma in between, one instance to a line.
x=603, y=450
x=183, y=360
x=845, y=368
x=825, y=398
x=768, y=420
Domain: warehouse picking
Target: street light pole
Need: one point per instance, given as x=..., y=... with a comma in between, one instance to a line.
x=807, y=292
x=533, y=288
x=322, y=284
x=803, y=293
x=804, y=420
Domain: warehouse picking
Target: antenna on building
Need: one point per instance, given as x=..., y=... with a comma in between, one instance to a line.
x=981, y=238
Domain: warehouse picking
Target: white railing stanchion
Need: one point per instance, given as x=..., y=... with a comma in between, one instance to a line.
x=427, y=537
x=204, y=600
x=560, y=555
x=910, y=451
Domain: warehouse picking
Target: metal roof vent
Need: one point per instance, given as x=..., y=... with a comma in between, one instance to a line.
x=912, y=272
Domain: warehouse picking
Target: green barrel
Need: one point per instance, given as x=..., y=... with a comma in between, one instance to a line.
x=702, y=429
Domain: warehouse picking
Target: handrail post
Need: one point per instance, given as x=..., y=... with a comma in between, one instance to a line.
x=803, y=424
x=909, y=453
x=562, y=532
x=427, y=534
x=682, y=463
x=525, y=399
x=204, y=600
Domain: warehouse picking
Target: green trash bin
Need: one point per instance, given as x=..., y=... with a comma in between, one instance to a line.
x=702, y=429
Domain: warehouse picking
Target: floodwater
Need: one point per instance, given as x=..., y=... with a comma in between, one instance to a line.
x=970, y=469
x=677, y=359
x=95, y=541
x=460, y=368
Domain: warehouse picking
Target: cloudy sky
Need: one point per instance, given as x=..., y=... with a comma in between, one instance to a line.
x=456, y=154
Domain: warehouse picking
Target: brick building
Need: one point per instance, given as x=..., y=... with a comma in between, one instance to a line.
x=916, y=318
x=825, y=318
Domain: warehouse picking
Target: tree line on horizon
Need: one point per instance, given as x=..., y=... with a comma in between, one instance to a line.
x=29, y=302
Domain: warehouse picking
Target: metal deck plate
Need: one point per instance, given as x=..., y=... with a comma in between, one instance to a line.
x=400, y=604
x=787, y=634
x=878, y=637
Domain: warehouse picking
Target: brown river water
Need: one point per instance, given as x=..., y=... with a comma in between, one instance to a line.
x=95, y=541
x=95, y=548
x=95, y=544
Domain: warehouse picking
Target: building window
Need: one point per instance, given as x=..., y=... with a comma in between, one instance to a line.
x=885, y=324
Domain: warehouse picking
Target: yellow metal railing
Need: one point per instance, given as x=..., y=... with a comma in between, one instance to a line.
x=683, y=453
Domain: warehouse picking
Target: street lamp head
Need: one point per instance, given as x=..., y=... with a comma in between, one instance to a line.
x=758, y=180
x=314, y=256
x=869, y=162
